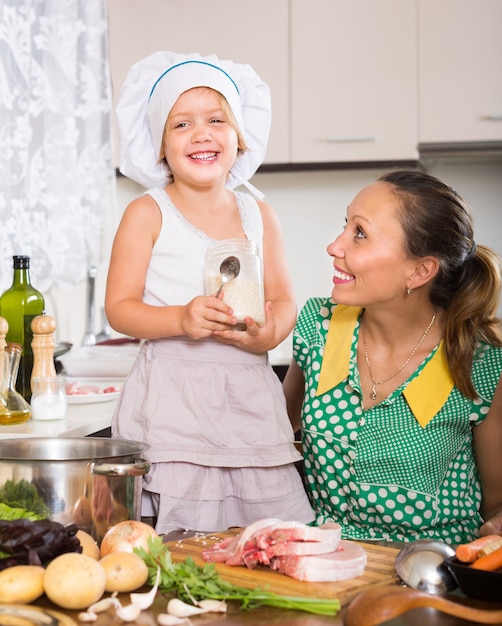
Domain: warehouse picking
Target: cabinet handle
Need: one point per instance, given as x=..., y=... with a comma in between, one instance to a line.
x=492, y=118
x=349, y=139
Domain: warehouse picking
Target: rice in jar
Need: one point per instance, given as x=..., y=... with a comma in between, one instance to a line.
x=245, y=293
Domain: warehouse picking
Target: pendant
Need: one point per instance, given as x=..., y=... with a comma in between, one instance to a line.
x=373, y=393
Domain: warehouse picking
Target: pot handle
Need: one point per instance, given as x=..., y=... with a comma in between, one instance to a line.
x=140, y=467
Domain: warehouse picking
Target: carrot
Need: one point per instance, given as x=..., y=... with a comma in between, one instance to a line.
x=469, y=552
x=489, y=562
x=490, y=547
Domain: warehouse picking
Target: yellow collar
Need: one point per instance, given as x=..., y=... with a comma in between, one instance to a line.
x=425, y=394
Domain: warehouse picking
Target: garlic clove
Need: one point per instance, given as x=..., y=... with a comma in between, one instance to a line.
x=88, y=616
x=213, y=606
x=129, y=613
x=104, y=604
x=145, y=600
x=177, y=607
x=164, y=619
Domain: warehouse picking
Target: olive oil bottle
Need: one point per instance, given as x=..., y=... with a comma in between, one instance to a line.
x=19, y=305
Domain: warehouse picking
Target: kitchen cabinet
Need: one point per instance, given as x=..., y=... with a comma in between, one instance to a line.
x=460, y=70
x=254, y=33
x=353, y=80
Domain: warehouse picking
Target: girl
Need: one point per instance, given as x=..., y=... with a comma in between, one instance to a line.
x=202, y=395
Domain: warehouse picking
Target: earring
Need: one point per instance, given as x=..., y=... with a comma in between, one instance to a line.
x=409, y=291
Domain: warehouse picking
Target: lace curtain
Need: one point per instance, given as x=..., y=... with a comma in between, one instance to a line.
x=57, y=180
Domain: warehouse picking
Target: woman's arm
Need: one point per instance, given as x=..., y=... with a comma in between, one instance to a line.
x=294, y=389
x=488, y=448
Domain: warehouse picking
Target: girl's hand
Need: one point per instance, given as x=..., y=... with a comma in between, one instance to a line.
x=205, y=315
x=254, y=338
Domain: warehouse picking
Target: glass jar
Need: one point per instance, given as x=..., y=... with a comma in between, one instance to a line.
x=13, y=407
x=48, y=400
x=244, y=293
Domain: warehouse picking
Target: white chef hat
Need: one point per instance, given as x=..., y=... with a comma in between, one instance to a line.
x=151, y=89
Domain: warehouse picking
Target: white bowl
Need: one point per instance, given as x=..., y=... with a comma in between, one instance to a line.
x=100, y=361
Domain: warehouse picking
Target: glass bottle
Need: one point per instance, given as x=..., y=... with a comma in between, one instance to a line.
x=19, y=305
x=13, y=407
x=245, y=292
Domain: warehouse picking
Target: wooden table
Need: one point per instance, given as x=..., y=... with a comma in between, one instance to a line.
x=277, y=617
x=380, y=571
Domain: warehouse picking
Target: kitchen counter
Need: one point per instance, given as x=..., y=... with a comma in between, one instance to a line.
x=81, y=420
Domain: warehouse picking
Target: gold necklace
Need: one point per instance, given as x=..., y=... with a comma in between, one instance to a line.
x=374, y=382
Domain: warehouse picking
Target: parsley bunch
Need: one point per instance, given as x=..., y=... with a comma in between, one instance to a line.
x=189, y=581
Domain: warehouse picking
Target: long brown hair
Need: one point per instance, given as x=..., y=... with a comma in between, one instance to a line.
x=438, y=222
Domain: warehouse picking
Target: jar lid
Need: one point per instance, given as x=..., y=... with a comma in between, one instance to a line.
x=11, y=346
x=234, y=245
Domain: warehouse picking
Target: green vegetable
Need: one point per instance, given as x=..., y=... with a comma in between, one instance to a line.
x=24, y=495
x=188, y=581
x=9, y=513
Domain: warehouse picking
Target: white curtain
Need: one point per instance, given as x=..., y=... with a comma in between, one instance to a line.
x=57, y=181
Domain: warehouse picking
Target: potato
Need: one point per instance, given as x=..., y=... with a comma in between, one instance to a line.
x=89, y=545
x=74, y=580
x=21, y=584
x=82, y=514
x=125, y=571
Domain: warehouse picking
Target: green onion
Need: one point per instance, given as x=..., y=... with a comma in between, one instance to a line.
x=190, y=582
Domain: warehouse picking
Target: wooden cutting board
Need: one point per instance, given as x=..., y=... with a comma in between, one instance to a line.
x=379, y=570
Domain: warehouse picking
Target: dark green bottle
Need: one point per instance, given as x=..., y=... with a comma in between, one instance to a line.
x=19, y=305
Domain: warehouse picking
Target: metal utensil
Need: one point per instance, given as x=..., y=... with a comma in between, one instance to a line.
x=421, y=565
x=89, y=336
x=382, y=604
x=229, y=269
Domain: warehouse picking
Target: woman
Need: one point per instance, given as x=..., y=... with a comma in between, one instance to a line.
x=396, y=378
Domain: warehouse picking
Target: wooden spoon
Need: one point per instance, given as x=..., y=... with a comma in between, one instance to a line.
x=380, y=604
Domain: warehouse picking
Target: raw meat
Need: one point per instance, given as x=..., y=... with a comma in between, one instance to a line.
x=231, y=551
x=349, y=561
x=79, y=389
x=303, y=552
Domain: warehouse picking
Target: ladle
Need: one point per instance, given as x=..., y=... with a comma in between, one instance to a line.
x=380, y=604
x=421, y=565
x=229, y=269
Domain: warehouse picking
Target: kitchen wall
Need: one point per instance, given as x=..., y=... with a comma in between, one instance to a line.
x=311, y=207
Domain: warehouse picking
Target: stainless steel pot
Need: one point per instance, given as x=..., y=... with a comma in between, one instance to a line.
x=92, y=481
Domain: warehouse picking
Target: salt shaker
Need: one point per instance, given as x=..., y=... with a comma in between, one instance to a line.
x=48, y=398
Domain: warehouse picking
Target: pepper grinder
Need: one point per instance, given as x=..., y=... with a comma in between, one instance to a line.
x=43, y=327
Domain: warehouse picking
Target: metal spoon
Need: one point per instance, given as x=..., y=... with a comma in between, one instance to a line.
x=421, y=565
x=381, y=604
x=229, y=269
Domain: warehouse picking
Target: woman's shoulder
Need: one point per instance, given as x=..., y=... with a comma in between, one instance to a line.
x=314, y=313
x=487, y=368
x=318, y=306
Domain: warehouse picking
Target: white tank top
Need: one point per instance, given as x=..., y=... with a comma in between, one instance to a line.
x=176, y=271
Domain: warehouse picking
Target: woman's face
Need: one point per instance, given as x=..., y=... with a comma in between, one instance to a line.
x=200, y=146
x=371, y=266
